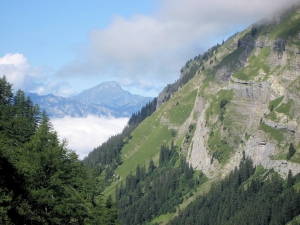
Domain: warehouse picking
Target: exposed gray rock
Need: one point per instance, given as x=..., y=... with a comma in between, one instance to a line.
x=199, y=155
x=249, y=107
x=166, y=94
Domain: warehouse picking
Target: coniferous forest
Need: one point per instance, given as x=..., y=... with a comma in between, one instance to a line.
x=149, y=194
x=106, y=157
x=219, y=146
x=245, y=197
x=44, y=182
x=41, y=180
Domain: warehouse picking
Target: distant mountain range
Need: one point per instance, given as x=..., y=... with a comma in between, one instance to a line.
x=105, y=99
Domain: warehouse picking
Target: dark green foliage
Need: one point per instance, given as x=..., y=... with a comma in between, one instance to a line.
x=240, y=200
x=290, y=179
x=145, y=111
x=291, y=152
x=189, y=71
x=107, y=156
x=191, y=127
x=151, y=166
x=174, y=133
x=167, y=155
x=41, y=180
x=253, y=31
x=223, y=104
x=159, y=192
x=189, y=75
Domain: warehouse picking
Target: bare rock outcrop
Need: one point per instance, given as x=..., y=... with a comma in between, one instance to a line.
x=249, y=107
x=199, y=155
x=166, y=93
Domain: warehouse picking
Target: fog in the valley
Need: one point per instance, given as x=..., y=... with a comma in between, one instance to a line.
x=84, y=134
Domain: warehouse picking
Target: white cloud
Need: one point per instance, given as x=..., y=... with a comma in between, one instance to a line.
x=151, y=50
x=19, y=72
x=23, y=75
x=61, y=88
x=84, y=134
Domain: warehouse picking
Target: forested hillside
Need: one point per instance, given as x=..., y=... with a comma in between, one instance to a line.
x=218, y=146
x=41, y=180
x=233, y=106
x=247, y=195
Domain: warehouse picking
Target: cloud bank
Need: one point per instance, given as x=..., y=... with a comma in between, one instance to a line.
x=84, y=134
x=151, y=49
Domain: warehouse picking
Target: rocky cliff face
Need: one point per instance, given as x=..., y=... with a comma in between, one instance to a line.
x=257, y=72
x=247, y=102
x=239, y=99
x=166, y=94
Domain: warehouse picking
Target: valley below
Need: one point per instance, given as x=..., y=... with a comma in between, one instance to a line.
x=220, y=145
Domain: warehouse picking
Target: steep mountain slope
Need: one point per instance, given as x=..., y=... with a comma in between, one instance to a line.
x=251, y=104
x=106, y=99
x=242, y=102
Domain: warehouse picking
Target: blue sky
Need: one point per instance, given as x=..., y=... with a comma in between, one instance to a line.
x=64, y=47
x=47, y=32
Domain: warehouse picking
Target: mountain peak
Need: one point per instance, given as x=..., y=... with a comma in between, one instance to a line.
x=107, y=85
x=110, y=94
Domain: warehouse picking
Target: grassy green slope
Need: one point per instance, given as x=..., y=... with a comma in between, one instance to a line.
x=154, y=132
x=228, y=127
x=289, y=27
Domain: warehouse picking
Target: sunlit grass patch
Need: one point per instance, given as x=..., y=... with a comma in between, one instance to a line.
x=256, y=63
